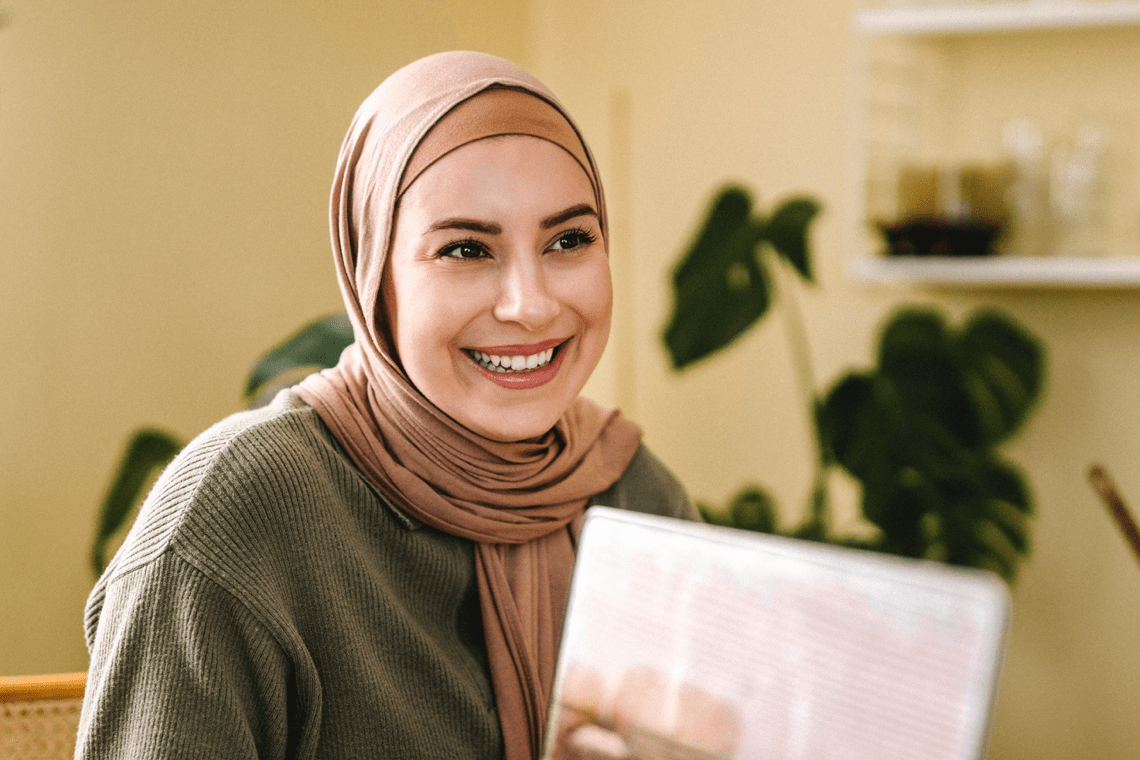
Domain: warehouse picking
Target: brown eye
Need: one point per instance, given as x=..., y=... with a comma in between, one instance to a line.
x=572, y=240
x=466, y=249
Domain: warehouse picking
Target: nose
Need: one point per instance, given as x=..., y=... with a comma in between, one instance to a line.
x=524, y=294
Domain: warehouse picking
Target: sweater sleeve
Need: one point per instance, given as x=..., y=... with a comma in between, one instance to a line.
x=179, y=668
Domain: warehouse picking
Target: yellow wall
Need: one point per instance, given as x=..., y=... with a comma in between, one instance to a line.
x=759, y=92
x=164, y=170
x=164, y=175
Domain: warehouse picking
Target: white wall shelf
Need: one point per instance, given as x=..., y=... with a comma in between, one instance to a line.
x=979, y=18
x=921, y=97
x=999, y=271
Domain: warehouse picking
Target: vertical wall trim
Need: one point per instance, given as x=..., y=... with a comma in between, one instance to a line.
x=623, y=333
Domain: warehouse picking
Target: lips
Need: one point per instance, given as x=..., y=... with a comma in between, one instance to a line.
x=512, y=363
x=519, y=366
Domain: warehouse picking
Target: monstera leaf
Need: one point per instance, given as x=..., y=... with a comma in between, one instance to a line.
x=919, y=434
x=721, y=287
x=315, y=346
x=147, y=452
x=1004, y=373
x=787, y=232
x=979, y=383
x=752, y=508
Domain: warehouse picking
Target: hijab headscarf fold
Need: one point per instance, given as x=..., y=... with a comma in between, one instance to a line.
x=515, y=500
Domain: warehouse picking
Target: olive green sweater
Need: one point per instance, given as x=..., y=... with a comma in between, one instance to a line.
x=268, y=602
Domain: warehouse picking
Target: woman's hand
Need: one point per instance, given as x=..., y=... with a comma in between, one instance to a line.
x=647, y=718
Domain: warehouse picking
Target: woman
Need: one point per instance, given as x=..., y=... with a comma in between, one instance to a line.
x=376, y=564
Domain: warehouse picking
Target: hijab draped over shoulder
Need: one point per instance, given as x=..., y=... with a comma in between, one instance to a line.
x=515, y=500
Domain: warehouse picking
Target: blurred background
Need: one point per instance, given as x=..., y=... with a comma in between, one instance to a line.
x=164, y=174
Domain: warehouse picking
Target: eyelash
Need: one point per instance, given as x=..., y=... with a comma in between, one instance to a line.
x=447, y=250
x=584, y=237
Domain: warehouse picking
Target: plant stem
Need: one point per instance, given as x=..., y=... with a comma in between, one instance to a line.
x=818, y=516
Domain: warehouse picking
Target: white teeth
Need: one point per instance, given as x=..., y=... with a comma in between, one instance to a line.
x=513, y=363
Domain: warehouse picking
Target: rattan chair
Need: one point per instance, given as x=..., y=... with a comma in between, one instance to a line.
x=39, y=715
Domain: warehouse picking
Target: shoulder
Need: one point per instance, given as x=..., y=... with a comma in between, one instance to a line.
x=648, y=486
x=178, y=664
x=243, y=484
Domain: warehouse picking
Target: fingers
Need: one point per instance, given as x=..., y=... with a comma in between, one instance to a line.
x=645, y=718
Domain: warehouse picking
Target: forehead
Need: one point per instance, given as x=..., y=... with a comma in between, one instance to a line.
x=501, y=174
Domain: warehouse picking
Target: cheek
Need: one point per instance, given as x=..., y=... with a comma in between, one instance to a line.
x=591, y=296
x=422, y=322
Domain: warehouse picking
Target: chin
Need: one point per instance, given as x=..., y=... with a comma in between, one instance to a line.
x=504, y=429
x=513, y=435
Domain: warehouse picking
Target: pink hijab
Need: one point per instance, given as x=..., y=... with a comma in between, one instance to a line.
x=515, y=500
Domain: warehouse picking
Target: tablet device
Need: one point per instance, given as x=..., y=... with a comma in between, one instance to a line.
x=691, y=641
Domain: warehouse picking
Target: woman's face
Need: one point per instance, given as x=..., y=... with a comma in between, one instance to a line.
x=497, y=287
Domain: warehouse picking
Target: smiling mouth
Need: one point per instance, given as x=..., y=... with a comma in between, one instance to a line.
x=515, y=364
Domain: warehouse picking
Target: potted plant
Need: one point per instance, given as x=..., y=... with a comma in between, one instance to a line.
x=920, y=430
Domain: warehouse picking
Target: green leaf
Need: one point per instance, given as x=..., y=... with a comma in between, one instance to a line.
x=898, y=509
x=1011, y=521
x=713, y=516
x=1005, y=481
x=980, y=508
x=862, y=423
x=148, y=450
x=979, y=383
x=1009, y=503
x=912, y=339
x=787, y=231
x=729, y=211
x=993, y=551
x=720, y=288
x=917, y=351
x=317, y=344
x=918, y=433
x=1004, y=371
x=753, y=508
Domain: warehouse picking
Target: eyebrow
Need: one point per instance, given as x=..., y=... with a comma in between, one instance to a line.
x=488, y=228
x=492, y=228
x=582, y=209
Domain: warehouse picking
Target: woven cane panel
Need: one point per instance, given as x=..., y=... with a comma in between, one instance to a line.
x=40, y=729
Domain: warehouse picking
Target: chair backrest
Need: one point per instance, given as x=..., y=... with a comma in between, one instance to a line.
x=39, y=715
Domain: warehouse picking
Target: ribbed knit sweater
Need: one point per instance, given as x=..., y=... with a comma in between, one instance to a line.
x=268, y=602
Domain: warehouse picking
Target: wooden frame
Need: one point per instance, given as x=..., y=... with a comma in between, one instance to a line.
x=35, y=688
